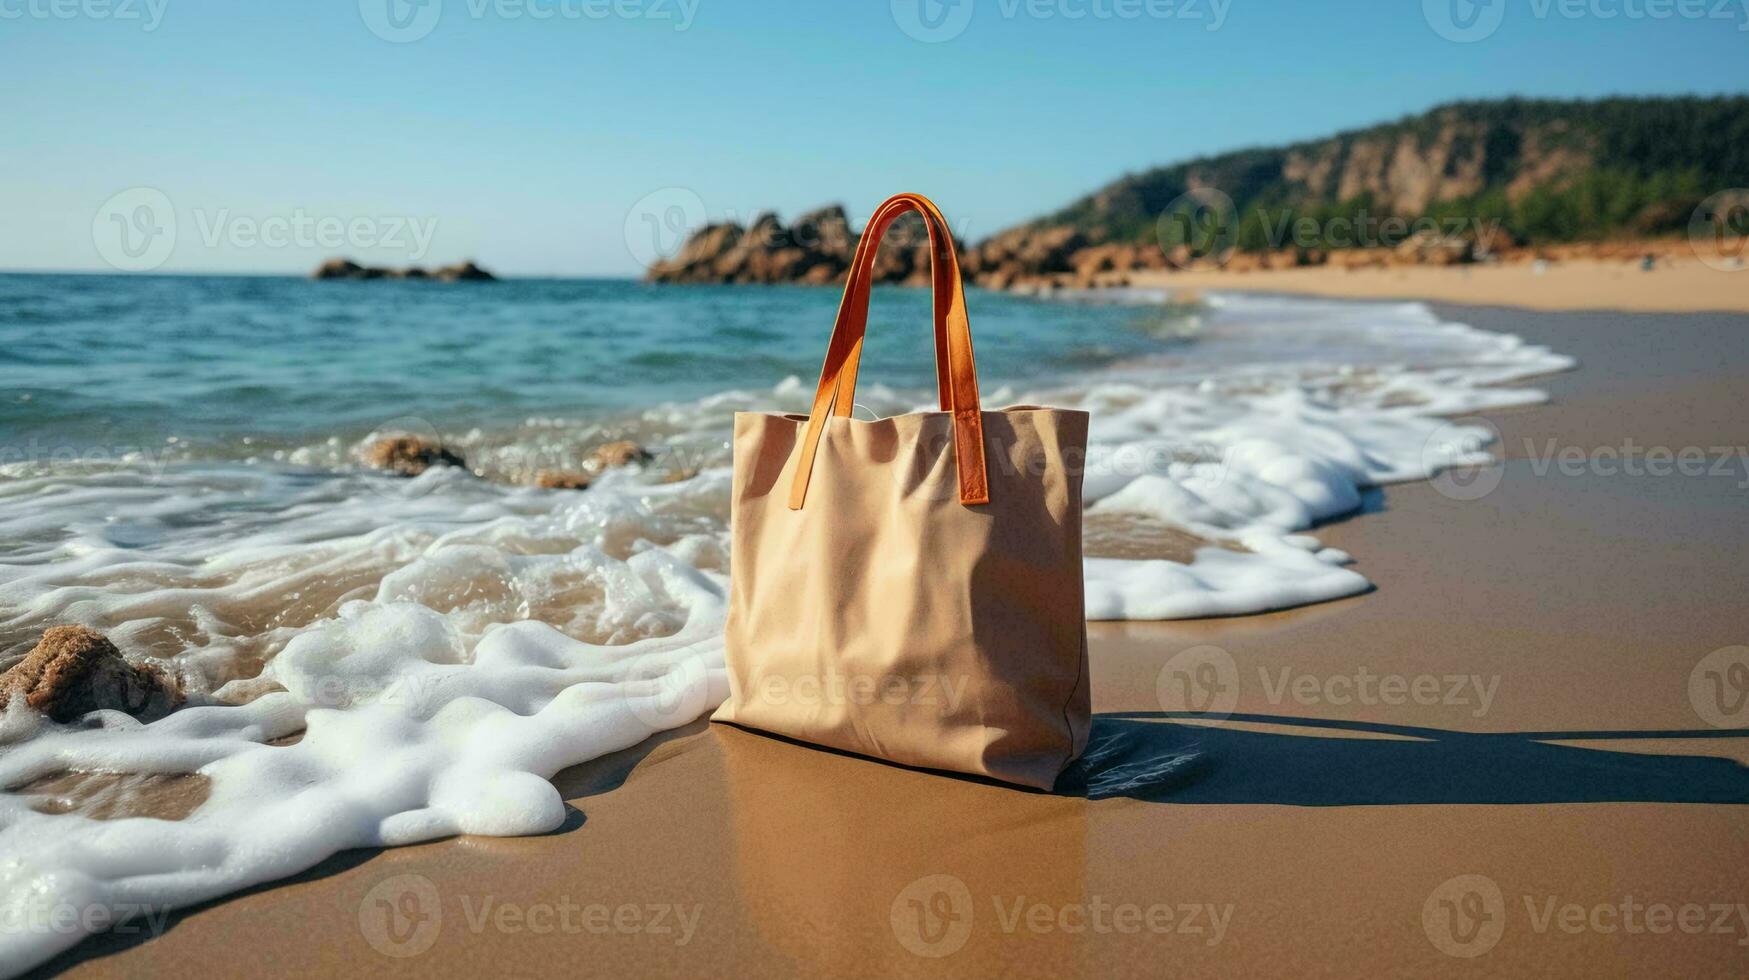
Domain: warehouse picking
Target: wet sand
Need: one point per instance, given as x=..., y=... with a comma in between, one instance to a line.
x=1552, y=802
x=1679, y=285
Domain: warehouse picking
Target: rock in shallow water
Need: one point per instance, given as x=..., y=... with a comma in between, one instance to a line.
x=623, y=452
x=75, y=670
x=410, y=455
x=563, y=480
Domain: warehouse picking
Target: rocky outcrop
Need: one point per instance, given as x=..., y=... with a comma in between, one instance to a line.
x=815, y=249
x=1057, y=256
x=348, y=269
x=74, y=671
x=406, y=455
x=459, y=272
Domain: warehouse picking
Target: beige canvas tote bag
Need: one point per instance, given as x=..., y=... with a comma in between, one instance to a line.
x=911, y=588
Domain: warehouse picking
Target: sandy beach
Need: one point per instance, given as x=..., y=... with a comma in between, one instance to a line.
x=1492, y=762
x=419, y=420
x=1678, y=285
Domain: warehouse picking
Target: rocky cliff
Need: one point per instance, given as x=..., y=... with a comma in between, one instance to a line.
x=1446, y=185
x=1449, y=185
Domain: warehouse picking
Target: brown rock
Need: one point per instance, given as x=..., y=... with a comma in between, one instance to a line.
x=563, y=480
x=75, y=670
x=1088, y=263
x=348, y=269
x=1029, y=250
x=462, y=272
x=410, y=455
x=621, y=453
x=822, y=275
x=344, y=269
x=699, y=255
x=815, y=250
x=826, y=232
x=1002, y=278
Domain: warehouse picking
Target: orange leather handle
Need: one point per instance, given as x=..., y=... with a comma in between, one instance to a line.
x=945, y=281
x=956, y=372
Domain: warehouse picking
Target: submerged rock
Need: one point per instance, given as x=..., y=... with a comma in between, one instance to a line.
x=410, y=455
x=563, y=480
x=75, y=670
x=621, y=453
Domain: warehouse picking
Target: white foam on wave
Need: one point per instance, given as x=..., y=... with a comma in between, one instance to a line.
x=446, y=645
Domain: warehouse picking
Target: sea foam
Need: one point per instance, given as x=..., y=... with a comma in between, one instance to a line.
x=375, y=661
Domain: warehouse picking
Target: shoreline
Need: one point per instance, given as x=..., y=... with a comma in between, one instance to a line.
x=1323, y=826
x=1681, y=286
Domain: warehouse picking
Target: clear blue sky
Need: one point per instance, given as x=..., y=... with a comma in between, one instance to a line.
x=526, y=141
